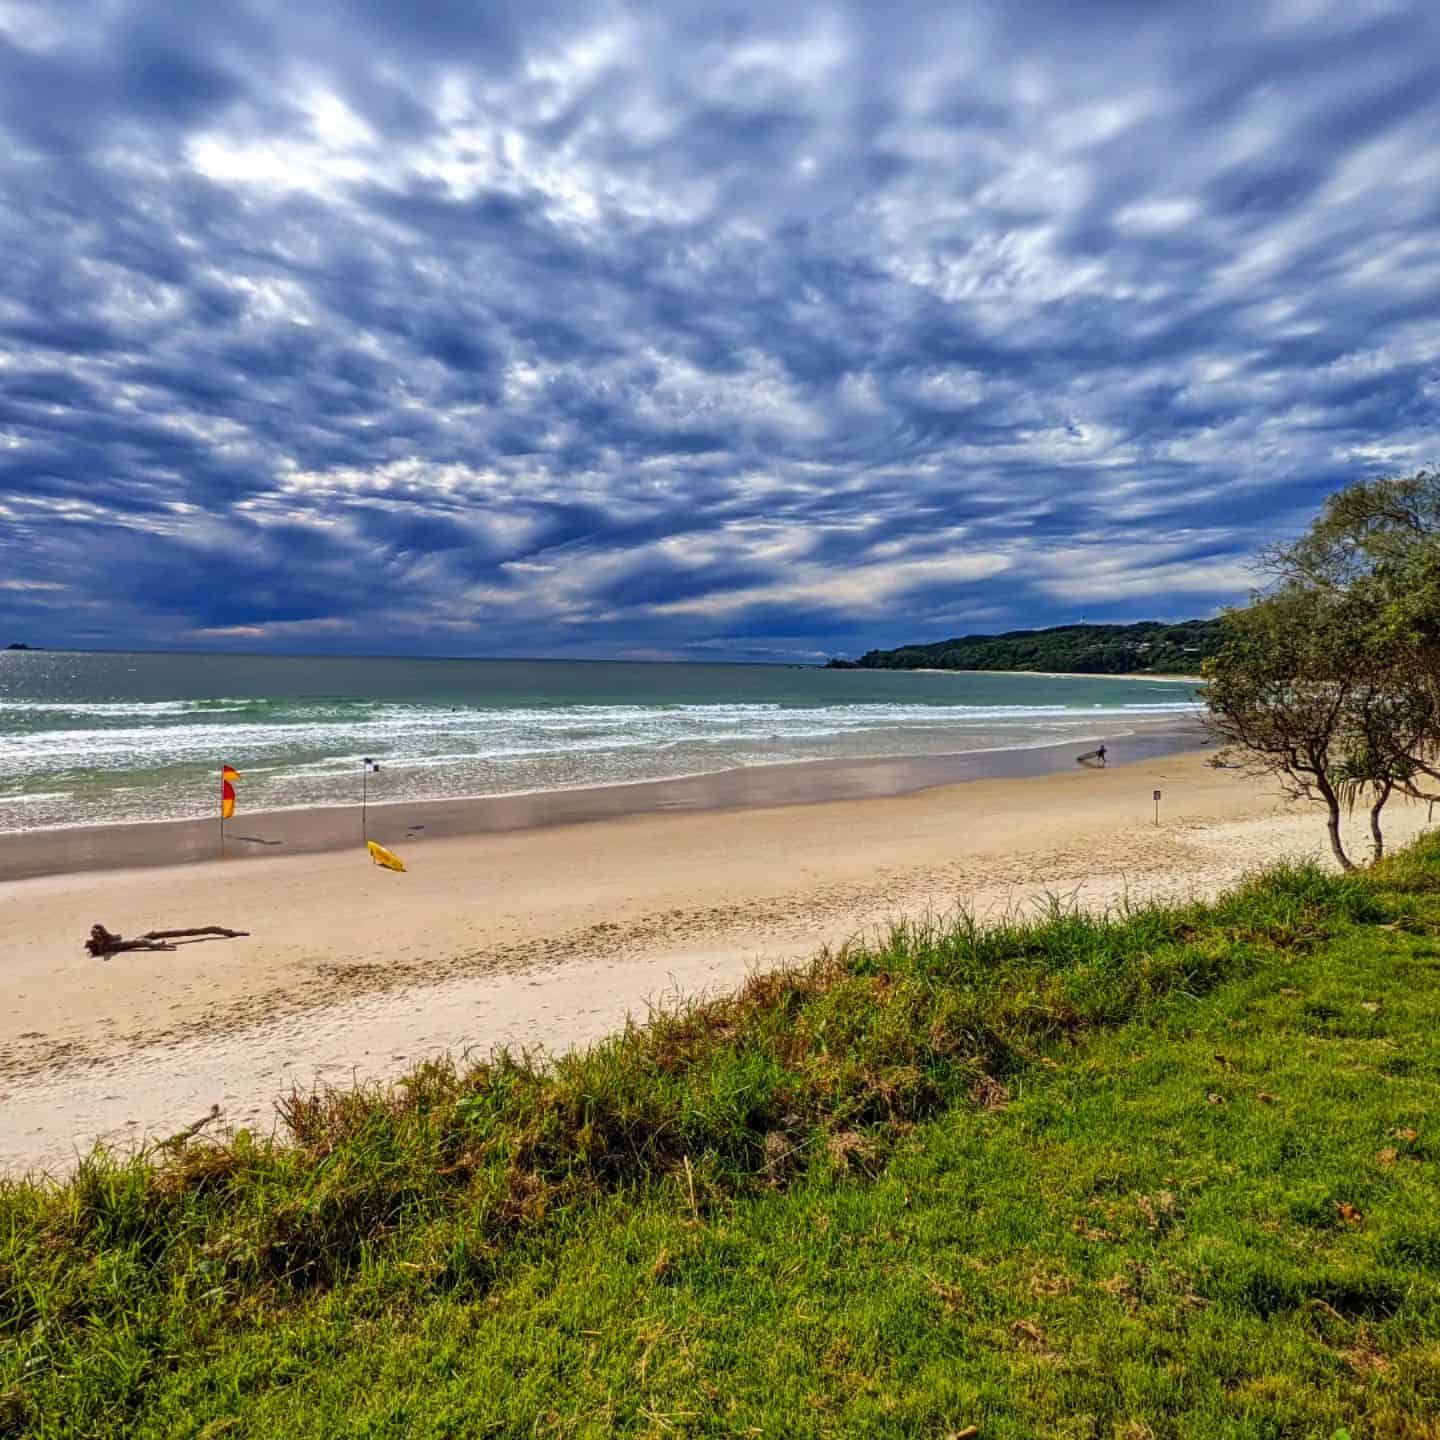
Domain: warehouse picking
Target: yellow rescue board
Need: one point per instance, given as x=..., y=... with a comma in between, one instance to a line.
x=381, y=856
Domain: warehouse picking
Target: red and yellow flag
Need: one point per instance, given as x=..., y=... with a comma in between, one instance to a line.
x=227, y=790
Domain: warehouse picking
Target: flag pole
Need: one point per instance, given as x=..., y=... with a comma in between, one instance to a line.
x=364, y=784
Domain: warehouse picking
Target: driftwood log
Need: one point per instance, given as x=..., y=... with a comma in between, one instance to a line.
x=106, y=942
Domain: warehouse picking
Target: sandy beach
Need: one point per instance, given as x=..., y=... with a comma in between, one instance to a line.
x=545, y=936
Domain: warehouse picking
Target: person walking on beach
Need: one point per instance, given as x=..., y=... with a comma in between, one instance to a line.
x=1100, y=756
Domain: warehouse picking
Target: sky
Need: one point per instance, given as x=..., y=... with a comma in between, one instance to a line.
x=711, y=331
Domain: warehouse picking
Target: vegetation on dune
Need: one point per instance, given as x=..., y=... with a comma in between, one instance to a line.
x=1330, y=679
x=1149, y=647
x=1165, y=1173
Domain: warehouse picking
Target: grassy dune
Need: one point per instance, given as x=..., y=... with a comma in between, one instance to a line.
x=1175, y=1173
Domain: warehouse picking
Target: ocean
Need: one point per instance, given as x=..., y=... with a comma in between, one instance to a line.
x=93, y=739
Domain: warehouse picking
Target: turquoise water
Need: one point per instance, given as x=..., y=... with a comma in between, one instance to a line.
x=92, y=739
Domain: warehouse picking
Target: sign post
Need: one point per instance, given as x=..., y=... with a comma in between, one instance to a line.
x=366, y=766
x=1156, y=798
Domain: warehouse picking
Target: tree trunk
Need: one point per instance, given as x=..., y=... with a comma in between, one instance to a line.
x=1376, y=837
x=1332, y=805
x=1332, y=825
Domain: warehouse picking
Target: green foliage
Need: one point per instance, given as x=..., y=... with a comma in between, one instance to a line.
x=1150, y=647
x=1165, y=1172
x=1375, y=527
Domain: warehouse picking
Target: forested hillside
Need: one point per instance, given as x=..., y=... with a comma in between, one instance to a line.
x=1151, y=646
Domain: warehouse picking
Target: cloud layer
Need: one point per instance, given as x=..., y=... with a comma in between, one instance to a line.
x=734, y=330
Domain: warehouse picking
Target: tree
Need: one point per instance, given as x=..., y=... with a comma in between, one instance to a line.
x=1377, y=543
x=1331, y=679
x=1277, y=696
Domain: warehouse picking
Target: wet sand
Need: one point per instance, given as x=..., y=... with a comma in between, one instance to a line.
x=547, y=936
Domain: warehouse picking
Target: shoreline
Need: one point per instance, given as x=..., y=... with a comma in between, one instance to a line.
x=150, y=844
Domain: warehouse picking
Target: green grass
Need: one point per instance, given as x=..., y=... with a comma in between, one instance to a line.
x=1168, y=1174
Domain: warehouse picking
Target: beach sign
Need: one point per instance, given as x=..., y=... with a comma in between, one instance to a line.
x=368, y=767
x=378, y=853
x=1156, y=798
x=381, y=856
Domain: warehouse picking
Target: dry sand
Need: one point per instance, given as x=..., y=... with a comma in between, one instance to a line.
x=545, y=937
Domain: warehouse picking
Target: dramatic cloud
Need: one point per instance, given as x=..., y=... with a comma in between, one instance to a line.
x=730, y=330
